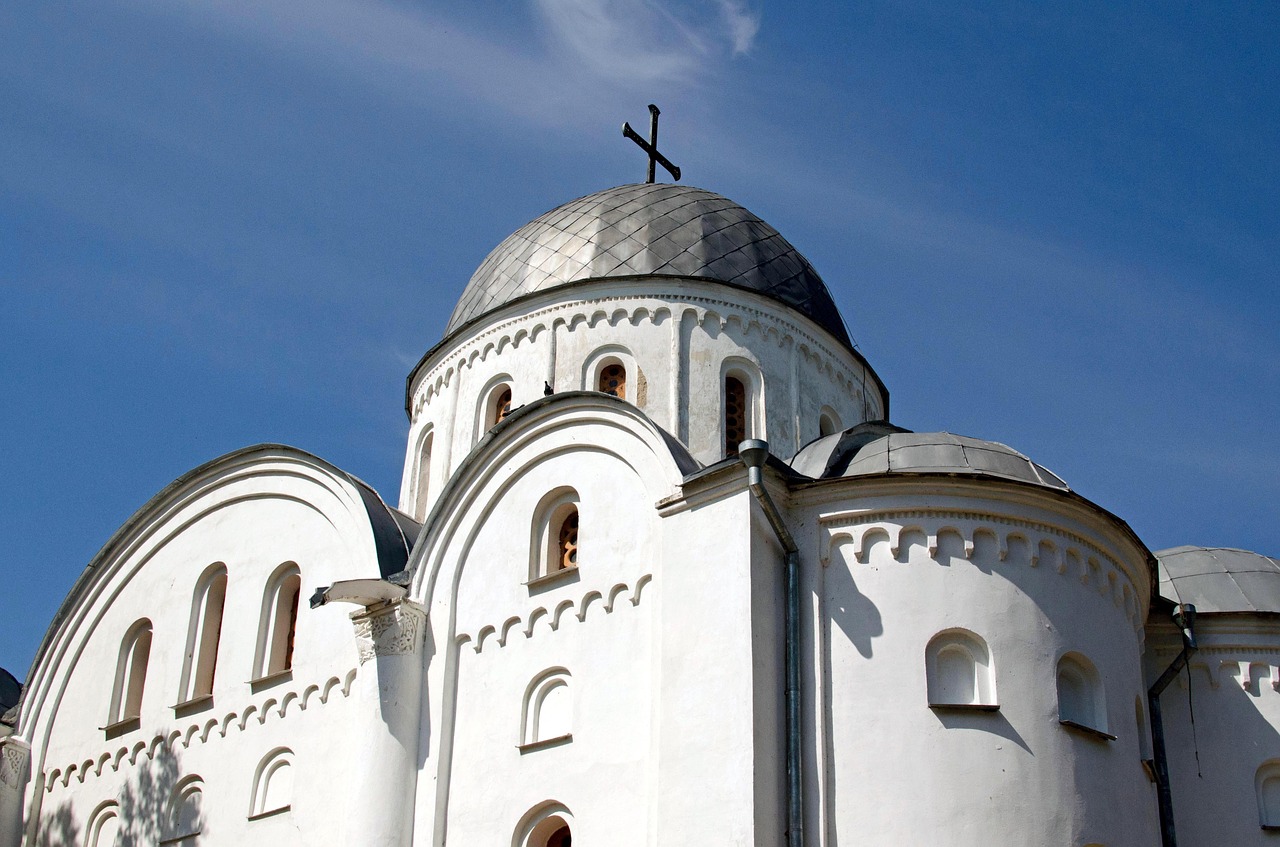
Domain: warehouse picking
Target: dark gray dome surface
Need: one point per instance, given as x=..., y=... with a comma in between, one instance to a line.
x=850, y=453
x=1220, y=579
x=645, y=229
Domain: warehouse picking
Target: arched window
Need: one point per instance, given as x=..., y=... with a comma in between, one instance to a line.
x=613, y=380
x=423, y=484
x=131, y=674
x=203, y=634
x=547, y=825
x=1081, y=703
x=958, y=671
x=547, y=713
x=555, y=534
x=498, y=406
x=278, y=623
x=272, y=784
x=828, y=423
x=736, y=412
x=104, y=826
x=1267, y=784
x=186, y=815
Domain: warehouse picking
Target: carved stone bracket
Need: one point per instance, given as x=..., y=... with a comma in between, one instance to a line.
x=13, y=763
x=391, y=629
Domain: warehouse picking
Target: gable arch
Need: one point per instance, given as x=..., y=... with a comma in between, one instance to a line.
x=355, y=530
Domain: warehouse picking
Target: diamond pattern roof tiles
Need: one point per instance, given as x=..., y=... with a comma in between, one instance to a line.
x=643, y=229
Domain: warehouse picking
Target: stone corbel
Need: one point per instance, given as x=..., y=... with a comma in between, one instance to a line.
x=392, y=628
x=15, y=755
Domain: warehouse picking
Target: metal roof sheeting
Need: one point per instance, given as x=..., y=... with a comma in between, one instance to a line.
x=847, y=455
x=1220, y=579
x=648, y=229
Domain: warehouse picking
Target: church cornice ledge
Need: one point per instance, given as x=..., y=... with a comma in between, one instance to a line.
x=1019, y=542
x=527, y=624
x=277, y=706
x=633, y=308
x=1254, y=676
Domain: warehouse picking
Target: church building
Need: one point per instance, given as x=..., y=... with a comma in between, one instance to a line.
x=661, y=571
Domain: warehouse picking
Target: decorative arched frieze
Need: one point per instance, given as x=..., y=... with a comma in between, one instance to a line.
x=711, y=313
x=203, y=732
x=565, y=610
x=983, y=536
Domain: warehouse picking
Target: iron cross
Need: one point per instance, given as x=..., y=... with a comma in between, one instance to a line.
x=651, y=146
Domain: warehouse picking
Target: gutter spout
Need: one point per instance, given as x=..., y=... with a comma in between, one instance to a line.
x=1185, y=617
x=753, y=454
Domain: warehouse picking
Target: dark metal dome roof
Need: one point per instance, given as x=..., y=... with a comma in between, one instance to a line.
x=881, y=448
x=648, y=229
x=1220, y=579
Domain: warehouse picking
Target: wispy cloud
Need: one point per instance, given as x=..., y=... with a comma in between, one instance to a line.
x=743, y=24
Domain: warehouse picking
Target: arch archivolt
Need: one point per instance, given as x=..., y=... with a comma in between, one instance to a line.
x=712, y=314
x=1018, y=543
x=277, y=706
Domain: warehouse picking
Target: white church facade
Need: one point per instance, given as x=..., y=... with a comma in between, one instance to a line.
x=661, y=572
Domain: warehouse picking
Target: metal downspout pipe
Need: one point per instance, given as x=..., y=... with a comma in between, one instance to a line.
x=1185, y=617
x=753, y=454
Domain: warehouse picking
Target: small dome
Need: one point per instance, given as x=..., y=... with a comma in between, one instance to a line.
x=648, y=229
x=1220, y=579
x=879, y=447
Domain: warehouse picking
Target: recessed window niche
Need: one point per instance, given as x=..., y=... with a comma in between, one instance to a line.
x=959, y=672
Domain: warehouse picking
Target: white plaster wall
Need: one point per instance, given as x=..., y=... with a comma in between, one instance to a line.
x=251, y=514
x=886, y=769
x=677, y=334
x=1232, y=688
x=491, y=634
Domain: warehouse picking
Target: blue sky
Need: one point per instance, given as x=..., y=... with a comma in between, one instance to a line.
x=1051, y=225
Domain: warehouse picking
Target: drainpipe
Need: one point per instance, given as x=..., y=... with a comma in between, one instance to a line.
x=753, y=453
x=1185, y=618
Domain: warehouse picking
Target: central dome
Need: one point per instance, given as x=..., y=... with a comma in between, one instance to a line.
x=643, y=230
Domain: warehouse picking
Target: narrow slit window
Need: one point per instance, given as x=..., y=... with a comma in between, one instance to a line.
x=131, y=674
x=735, y=414
x=279, y=624
x=204, y=635
x=424, y=477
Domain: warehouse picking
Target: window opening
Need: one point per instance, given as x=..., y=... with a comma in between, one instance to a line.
x=568, y=544
x=502, y=405
x=613, y=381
x=279, y=624
x=958, y=671
x=204, y=635
x=131, y=674
x=1080, y=699
x=273, y=784
x=424, y=477
x=735, y=415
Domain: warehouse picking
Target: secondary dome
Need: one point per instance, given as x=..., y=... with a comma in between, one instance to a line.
x=881, y=448
x=1220, y=579
x=648, y=229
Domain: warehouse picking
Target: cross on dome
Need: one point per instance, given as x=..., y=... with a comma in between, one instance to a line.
x=651, y=146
